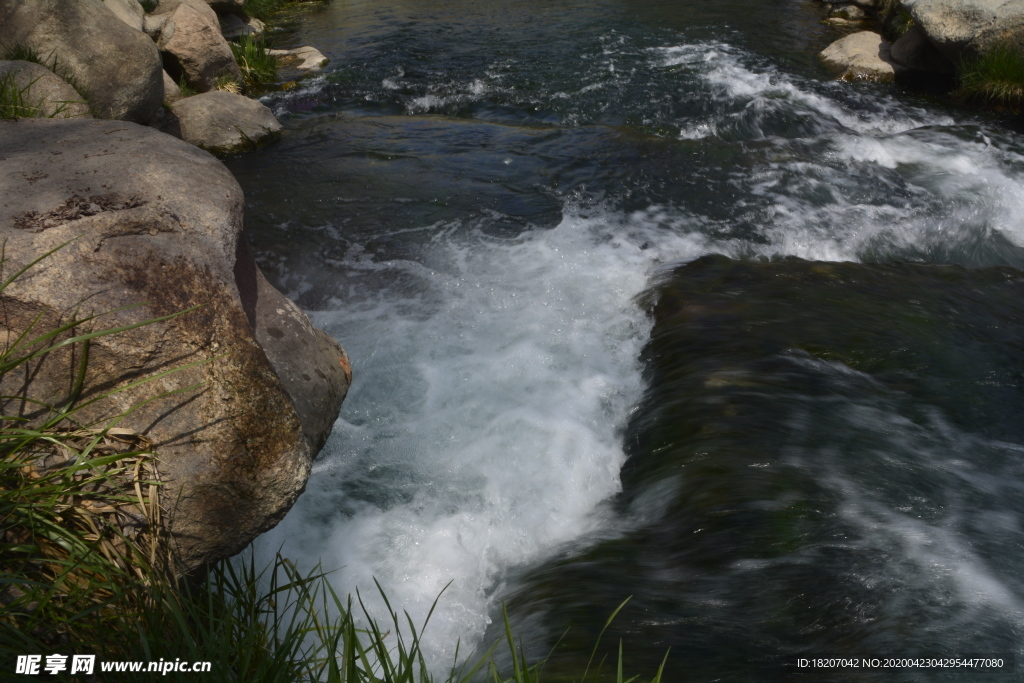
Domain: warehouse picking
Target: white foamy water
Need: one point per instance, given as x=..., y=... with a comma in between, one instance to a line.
x=482, y=431
x=493, y=376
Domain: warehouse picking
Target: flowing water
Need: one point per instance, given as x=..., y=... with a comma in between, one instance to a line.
x=504, y=212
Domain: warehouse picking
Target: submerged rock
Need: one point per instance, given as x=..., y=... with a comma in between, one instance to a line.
x=157, y=228
x=305, y=58
x=860, y=56
x=222, y=122
x=793, y=408
x=45, y=93
x=116, y=68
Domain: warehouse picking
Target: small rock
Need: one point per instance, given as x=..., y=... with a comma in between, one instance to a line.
x=860, y=56
x=311, y=58
x=222, y=122
x=45, y=92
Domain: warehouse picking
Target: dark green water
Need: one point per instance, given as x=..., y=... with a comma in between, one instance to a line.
x=506, y=213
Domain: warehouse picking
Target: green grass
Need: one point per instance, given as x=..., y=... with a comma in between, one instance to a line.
x=186, y=89
x=996, y=77
x=13, y=99
x=251, y=54
x=76, y=580
x=21, y=52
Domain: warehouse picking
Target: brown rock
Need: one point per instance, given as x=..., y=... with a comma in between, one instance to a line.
x=157, y=226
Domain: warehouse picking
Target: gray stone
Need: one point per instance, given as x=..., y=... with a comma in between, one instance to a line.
x=860, y=56
x=914, y=51
x=192, y=44
x=222, y=122
x=128, y=11
x=116, y=68
x=43, y=92
x=158, y=222
x=305, y=58
x=965, y=29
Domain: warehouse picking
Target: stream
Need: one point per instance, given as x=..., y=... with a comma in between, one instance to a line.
x=641, y=304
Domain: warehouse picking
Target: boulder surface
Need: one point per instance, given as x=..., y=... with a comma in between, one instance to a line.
x=192, y=44
x=157, y=226
x=964, y=29
x=222, y=122
x=116, y=68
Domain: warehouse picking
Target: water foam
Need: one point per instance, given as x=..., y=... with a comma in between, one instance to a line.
x=483, y=427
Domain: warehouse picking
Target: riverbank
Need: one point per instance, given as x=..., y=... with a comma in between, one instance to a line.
x=969, y=51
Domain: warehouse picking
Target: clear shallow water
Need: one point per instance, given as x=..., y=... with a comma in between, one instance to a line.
x=472, y=199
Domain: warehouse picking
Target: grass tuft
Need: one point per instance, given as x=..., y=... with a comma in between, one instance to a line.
x=21, y=52
x=256, y=64
x=186, y=89
x=13, y=99
x=996, y=77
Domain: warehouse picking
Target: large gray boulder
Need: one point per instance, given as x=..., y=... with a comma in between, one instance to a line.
x=964, y=29
x=116, y=68
x=157, y=228
x=222, y=122
x=43, y=93
x=860, y=56
x=192, y=44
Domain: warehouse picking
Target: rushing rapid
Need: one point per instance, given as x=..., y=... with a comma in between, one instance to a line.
x=486, y=208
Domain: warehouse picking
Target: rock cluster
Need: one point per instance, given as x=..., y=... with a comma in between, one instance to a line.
x=943, y=35
x=126, y=63
x=153, y=226
x=260, y=387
